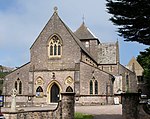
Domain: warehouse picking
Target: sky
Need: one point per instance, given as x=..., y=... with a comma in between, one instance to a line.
x=21, y=21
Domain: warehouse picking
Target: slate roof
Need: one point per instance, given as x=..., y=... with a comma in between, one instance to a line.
x=84, y=33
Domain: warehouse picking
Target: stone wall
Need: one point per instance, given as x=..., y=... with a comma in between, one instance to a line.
x=131, y=86
x=70, y=49
x=67, y=105
x=131, y=108
x=64, y=110
x=102, y=77
x=129, y=105
x=107, y=53
x=21, y=73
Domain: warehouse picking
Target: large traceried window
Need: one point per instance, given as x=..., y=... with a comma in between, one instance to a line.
x=55, y=46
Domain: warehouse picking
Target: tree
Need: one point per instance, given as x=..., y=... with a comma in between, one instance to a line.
x=1, y=68
x=144, y=60
x=132, y=18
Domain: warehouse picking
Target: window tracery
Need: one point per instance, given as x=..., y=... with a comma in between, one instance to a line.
x=55, y=46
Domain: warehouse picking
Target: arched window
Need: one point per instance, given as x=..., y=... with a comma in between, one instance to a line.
x=91, y=87
x=55, y=46
x=96, y=87
x=20, y=87
x=39, y=92
x=16, y=85
x=127, y=82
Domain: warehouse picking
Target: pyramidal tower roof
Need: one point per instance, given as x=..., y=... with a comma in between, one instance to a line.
x=84, y=32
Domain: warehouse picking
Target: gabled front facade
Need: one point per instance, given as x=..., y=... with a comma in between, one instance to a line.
x=61, y=61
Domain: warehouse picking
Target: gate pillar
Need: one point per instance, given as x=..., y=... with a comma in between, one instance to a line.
x=68, y=103
x=130, y=108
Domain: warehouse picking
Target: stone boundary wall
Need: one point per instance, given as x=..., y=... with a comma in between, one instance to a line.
x=131, y=108
x=37, y=114
x=64, y=110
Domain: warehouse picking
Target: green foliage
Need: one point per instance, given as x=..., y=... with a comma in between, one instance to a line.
x=132, y=18
x=144, y=60
x=82, y=116
x=3, y=74
x=1, y=86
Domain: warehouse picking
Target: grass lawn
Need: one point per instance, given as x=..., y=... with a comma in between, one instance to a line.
x=82, y=116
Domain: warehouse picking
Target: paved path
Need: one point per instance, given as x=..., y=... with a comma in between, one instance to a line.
x=102, y=112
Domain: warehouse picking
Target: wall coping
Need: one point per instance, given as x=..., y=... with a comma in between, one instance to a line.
x=36, y=110
x=68, y=93
x=128, y=94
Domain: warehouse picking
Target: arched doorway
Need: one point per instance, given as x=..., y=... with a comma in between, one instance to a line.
x=54, y=93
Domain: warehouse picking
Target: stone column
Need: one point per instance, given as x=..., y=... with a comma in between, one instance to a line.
x=130, y=105
x=68, y=105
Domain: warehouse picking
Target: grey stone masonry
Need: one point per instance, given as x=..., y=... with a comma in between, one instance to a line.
x=132, y=108
x=130, y=103
x=68, y=105
x=64, y=110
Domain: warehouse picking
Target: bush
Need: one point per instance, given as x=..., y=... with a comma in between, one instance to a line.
x=82, y=116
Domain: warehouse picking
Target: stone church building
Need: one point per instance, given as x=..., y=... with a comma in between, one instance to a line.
x=65, y=61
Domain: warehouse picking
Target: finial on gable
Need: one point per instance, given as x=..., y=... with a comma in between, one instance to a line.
x=55, y=9
x=83, y=18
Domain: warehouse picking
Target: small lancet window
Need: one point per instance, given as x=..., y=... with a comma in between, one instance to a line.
x=96, y=87
x=91, y=87
x=55, y=46
x=87, y=44
x=16, y=85
x=20, y=87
